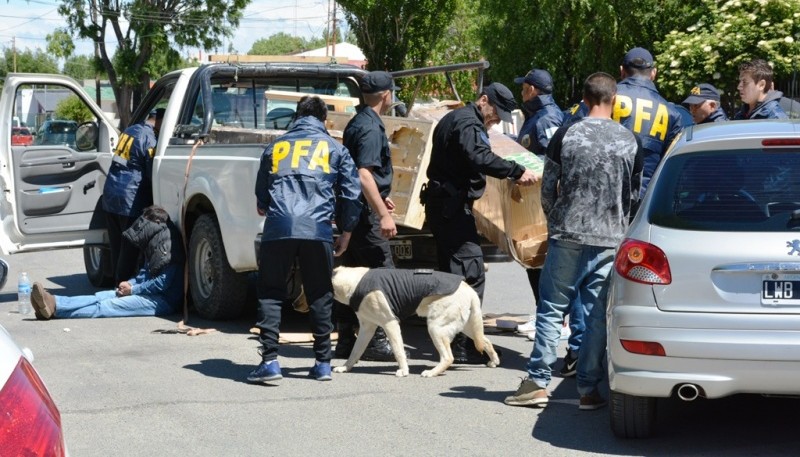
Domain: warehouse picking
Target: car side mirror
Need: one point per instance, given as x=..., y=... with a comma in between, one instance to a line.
x=86, y=136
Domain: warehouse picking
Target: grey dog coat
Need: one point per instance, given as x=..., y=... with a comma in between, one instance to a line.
x=404, y=289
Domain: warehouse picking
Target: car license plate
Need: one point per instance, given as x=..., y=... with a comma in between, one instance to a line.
x=401, y=249
x=779, y=290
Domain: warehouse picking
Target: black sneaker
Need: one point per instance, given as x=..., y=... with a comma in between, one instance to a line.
x=570, y=367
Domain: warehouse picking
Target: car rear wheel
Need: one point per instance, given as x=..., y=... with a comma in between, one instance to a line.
x=631, y=416
x=97, y=261
x=218, y=292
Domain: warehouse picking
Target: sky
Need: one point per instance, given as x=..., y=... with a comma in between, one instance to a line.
x=28, y=22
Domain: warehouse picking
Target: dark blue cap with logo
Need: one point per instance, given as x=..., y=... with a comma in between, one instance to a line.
x=377, y=81
x=701, y=93
x=502, y=99
x=539, y=79
x=638, y=58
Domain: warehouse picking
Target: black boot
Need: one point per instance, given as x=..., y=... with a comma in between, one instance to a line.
x=379, y=349
x=464, y=351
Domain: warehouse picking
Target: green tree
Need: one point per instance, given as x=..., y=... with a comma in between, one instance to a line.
x=574, y=38
x=59, y=43
x=283, y=44
x=82, y=67
x=27, y=61
x=140, y=29
x=393, y=34
x=72, y=108
x=711, y=49
x=279, y=44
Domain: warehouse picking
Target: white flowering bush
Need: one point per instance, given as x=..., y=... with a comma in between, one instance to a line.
x=734, y=31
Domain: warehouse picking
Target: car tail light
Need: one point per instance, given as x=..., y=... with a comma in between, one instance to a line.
x=30, y=423
x=778, y=142
x=643, y=347
x=642, y=262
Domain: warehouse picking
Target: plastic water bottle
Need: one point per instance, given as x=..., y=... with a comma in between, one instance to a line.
x=24, y=294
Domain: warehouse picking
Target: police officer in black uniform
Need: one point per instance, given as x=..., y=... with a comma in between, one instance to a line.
x=365, y=138
x=461, y=157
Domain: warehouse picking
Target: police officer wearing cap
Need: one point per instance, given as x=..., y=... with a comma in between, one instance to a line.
x=128, y=190
x=640, y=108
x=365, y=138
x=461, y=157
x=704, y=104
x=542, y=116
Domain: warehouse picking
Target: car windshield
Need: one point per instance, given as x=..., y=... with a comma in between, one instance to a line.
x=729, y=191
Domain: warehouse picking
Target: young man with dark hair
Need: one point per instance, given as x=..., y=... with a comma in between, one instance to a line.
x=157, y=289
x=461, y=157
x=300, y=175
x=590, y=182
x=755, y=90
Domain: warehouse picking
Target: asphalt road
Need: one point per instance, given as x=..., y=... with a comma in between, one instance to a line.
x=132, y=387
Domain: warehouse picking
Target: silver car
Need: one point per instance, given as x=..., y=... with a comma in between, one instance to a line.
x=705, y=296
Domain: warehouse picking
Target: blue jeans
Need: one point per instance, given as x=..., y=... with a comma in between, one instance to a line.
x=572, y=273
x=107, y=304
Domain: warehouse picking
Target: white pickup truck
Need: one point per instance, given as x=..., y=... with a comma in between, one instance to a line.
x=215, y=127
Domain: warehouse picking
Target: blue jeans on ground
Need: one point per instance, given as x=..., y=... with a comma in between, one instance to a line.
x=572, y=273
x=107, y=304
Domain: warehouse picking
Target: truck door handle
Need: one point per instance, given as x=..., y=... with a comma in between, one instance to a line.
x=68, y=164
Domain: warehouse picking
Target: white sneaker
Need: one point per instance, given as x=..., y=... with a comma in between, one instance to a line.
x=527, y=327
x=531, y=336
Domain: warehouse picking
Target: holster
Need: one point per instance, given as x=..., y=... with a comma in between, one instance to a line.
x=444, y=195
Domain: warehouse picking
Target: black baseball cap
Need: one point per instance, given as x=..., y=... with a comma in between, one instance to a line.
x=701, y=93
x=537, y=78
x=502, y=99
x=377, y=81
x=638, y=58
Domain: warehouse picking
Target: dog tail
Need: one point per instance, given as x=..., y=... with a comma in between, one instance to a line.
x=474, y=326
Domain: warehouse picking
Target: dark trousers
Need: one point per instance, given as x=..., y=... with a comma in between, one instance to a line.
x=458, y=246
x=124, y=254
x=316, y=263
x=367, y=248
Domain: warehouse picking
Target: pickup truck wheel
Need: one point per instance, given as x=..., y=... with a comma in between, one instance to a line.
x=218, y=292
x=97, y=261
x=632, y=416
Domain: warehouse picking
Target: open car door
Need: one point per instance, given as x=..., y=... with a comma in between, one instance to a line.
x=52, y=188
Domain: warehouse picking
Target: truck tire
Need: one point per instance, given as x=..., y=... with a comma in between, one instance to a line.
x=218, y=292
x=97, y=262
x=632, y=416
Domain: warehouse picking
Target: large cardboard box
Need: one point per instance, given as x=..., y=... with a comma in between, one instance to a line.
x=410, y=144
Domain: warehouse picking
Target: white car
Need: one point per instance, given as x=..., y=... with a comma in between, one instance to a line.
x=705, y=296
x=30, y=423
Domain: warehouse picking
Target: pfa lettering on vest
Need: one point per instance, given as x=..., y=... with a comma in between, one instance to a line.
x=301, y=154
x=649, y=117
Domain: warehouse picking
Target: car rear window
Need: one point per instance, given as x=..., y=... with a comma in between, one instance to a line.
x=730, y=191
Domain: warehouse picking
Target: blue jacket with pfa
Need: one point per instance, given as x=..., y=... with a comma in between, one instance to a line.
x=542, y=118
x=641, y=109
x=301, y=174
x=128, y=189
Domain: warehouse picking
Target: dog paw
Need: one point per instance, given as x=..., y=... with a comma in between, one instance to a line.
x=340, y=370
x=428, y=374
x=401, y=373
x=491, y=364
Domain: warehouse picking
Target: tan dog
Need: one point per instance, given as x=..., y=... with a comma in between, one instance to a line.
x=447, y=315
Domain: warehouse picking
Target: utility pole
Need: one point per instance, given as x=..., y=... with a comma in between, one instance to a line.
x=14, y=51
x=97, y=96
x=333, y=36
